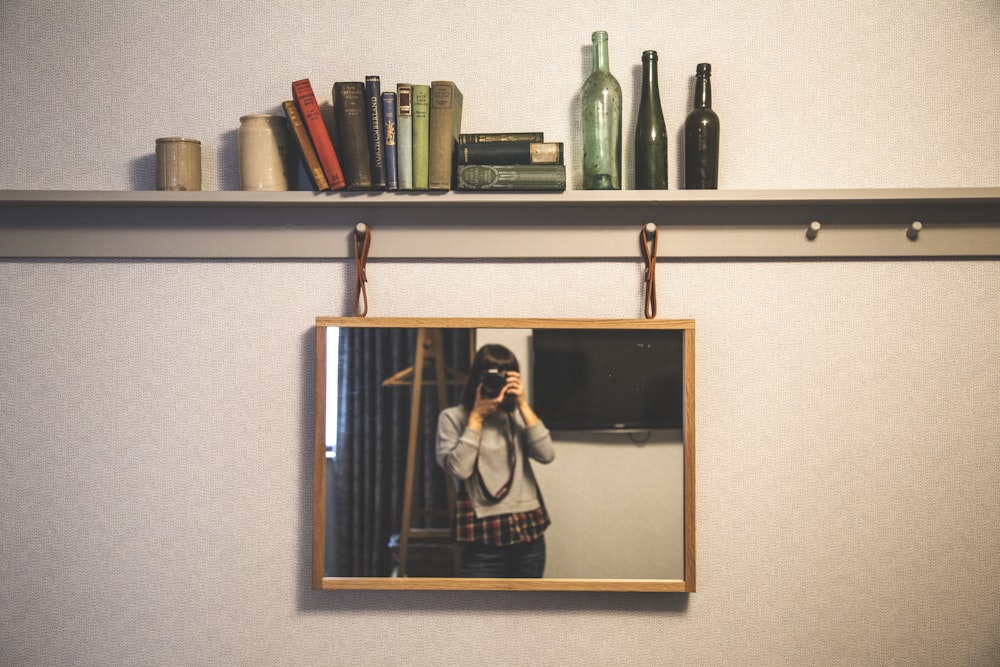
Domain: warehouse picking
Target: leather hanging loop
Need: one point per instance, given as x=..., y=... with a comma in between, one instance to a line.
x=362, y=243
x=647, y=241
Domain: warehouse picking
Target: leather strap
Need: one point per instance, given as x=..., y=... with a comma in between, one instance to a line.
x=362, y=242
x=647, y=241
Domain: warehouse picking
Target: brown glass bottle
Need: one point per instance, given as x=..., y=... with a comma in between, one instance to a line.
x=701, y=136
x=650, y=131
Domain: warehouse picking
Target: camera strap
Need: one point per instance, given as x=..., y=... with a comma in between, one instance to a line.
x=501, y=493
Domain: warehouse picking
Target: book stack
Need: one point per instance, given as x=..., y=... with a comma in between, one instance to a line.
x=521, y=161
x=402, y=139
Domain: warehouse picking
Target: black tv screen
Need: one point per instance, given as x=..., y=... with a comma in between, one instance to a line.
x=608, y=379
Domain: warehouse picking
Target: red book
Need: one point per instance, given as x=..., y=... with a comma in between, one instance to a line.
x=305, y=99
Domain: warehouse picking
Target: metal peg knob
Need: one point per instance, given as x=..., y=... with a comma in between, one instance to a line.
x=913, y=231
x=813, y=230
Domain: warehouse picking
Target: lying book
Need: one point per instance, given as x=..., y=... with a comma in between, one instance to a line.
x=549, y=177
x=493, y=137
x=510, y=152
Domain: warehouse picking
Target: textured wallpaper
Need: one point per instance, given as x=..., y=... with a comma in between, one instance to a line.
x=156, y=417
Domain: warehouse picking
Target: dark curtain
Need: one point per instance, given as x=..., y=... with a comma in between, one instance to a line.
x=369, y=465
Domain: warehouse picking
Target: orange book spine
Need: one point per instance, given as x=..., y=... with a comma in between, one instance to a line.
x=305, y=99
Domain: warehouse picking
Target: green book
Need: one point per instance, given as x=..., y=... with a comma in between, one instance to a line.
x=404, y=135
x=549, y=177
x=421, y=134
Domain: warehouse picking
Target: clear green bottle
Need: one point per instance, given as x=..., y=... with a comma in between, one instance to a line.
x=601, y=102
x=701, y=136
x=650, y=131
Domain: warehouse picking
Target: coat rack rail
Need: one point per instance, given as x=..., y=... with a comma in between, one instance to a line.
x=791, y=224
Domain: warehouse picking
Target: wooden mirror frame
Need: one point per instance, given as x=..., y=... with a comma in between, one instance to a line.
x=322, y=582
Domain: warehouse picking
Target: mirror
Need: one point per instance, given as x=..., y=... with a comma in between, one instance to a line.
x=619, y=495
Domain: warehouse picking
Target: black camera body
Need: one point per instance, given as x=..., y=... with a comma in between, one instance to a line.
x=492, y=382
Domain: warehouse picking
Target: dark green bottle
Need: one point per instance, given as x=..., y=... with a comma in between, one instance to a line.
x=701, y=136
x=650, y=131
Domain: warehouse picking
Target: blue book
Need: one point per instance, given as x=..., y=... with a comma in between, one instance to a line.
x=373, y=102
x=389, y=139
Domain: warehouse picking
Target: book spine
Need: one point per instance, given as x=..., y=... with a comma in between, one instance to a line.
x=300, y=137
x=493, y=137
x=548, y=177
x=373, y=99
x=305, y=100
x=421, y=134
x=445, y=126
x=352, y=133
x=404, y=135
x=510, y=152
x=389, y=138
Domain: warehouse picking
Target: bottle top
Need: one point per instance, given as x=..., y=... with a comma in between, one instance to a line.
x=649, y=55
x=599, y=36
x=704, y=69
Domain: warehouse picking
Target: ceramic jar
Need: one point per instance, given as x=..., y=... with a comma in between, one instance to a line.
x=178, y=163
x=265, y=153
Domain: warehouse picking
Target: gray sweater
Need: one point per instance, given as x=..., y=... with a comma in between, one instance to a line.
x=458, y=448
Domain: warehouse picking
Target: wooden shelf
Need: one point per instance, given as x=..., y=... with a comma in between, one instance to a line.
x=957, y=223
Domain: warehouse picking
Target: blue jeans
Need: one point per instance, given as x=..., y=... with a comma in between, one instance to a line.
x=523, y=560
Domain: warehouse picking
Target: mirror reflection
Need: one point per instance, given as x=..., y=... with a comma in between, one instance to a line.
x=466, y=451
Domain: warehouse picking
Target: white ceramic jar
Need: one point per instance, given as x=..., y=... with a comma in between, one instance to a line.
x=265, y=153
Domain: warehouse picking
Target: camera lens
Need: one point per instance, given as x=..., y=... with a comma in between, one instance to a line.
x=492, y=383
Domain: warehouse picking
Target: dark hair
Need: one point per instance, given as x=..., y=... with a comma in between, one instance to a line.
x=489, y=356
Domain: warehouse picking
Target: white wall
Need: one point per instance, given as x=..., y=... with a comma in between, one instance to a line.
x=156, y=417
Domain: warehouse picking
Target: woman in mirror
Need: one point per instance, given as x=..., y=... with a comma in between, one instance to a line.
x=485, y=444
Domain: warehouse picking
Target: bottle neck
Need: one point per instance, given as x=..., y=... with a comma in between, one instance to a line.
x=650, y=80
x=600, y=59
x=703, y=92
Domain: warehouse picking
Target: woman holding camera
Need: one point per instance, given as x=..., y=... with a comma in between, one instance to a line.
x=484, y=444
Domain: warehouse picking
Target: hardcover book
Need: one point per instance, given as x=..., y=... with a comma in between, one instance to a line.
x=376, y=145
x=352, y=133
x=491, y=137
x=510, y=152
x=421, y=134
x=389, y=139
x=319, y=135
x=445, y=126
x=300, y=137
x=404, y=135
x=548, y=177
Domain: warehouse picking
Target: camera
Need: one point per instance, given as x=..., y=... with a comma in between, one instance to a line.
x=492, y=382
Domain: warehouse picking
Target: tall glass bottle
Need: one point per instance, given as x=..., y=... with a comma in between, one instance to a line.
x=601, y=102
x=701, y=136
x=650, y=131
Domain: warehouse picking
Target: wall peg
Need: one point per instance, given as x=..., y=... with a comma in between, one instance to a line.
x=913, y=231
x=648, y=238
x=812, y=231
x=362, y=243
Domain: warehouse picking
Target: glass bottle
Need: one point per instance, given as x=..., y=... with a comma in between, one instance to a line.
x=701, y=136
x=650, y=131
x=601, y=102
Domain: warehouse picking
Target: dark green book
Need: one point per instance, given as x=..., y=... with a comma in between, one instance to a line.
x=493, y=137
x=510, y=152
x=548, y=177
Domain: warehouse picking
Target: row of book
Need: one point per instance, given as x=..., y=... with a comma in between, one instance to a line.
x=411, y=139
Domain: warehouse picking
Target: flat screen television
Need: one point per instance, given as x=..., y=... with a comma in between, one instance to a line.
x=608, y=379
